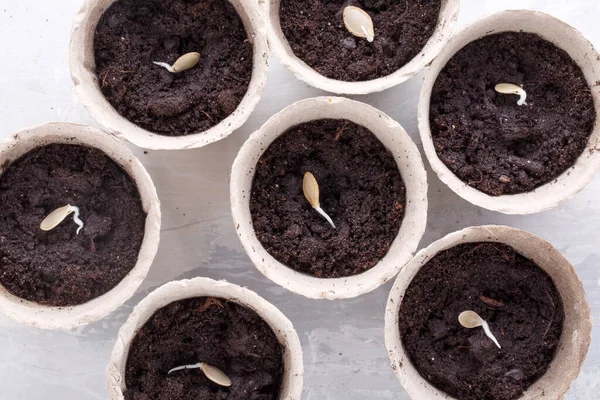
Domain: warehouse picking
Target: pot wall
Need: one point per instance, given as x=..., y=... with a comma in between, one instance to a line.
x=83, y=73
x=280, y=46
x=576, y=335
x=46, y=317
x=409, y=162
x=570, y=182
x=173, y=291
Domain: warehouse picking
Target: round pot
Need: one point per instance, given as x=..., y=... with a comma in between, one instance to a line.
x=410, y=165
x=280, y=46
x=83, y=73
x=293, y=375
x=47, y=317
x=581, y=51
x=577, y=327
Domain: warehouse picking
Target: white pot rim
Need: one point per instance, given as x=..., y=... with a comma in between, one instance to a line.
x=577, y=327
x=280, y=46
x=293, y=376
x=68, y=317
x=410, y=165
x=570, y=182
x=83, y=73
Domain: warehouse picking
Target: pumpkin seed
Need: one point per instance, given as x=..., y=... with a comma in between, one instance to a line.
x=359, y=23
x=310, y=187
x=509, y=88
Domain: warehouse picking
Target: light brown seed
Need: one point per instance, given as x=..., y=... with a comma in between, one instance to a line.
x=57, y=216
x=310, y=187
x=186, y=61
x=359, y=23
x=215, y=375
x=509, y=88
x=470, y=319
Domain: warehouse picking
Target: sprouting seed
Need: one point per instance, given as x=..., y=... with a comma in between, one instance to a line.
x=57, y=216
x=359, y=23
x=185, y=62
x=470, y=319
x=509, y=88
x=212, y=373
x=311, y=192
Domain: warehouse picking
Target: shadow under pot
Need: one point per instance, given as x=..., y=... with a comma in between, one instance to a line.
x=508, y=113
x=169, y=74
x=79, y=225
x=336, y=195
x=488, y=313
x=202, y=339
x=358, y=46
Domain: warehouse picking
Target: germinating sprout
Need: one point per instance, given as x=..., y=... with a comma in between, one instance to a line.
x=183, y=63
x=57, y=216
x=359, y=23
x=212, y=373
x=311, y=192
x=509, y=88
x=470, y=319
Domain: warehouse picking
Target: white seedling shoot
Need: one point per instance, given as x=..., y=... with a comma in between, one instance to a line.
x=57, y=216
x=509, y=88
x=212, y=373
x=470, y=319
x=185, y=62
x=359, y=23
x=311, y=192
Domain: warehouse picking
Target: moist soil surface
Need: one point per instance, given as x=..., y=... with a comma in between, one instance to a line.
x=510, y=292
x=490, y=142
x=317, y=35
x=223, y=334
x=360, y=189
x=133, y=33
x=59, y=267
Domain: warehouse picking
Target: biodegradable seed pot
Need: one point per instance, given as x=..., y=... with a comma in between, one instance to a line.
x=358, y=47
x=203, y=339
x=79, y=226
x=329, y=198
x=509, y=111
x=170, y=74
x=487, y=312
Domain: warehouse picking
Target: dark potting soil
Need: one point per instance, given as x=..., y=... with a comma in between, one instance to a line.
x=317, y=35
x=133, y=33
x=520, y=303
x=360, y=189
x=59, y=267
x=490, y=142
x=223, y=334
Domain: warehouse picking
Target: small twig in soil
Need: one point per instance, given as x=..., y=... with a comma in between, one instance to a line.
x=491, y=302
x=212, y=301
x=103, y=77
x=405, y=11
x=474, y=249
x=340, y=131
x=207, y=116
x=553, y=308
